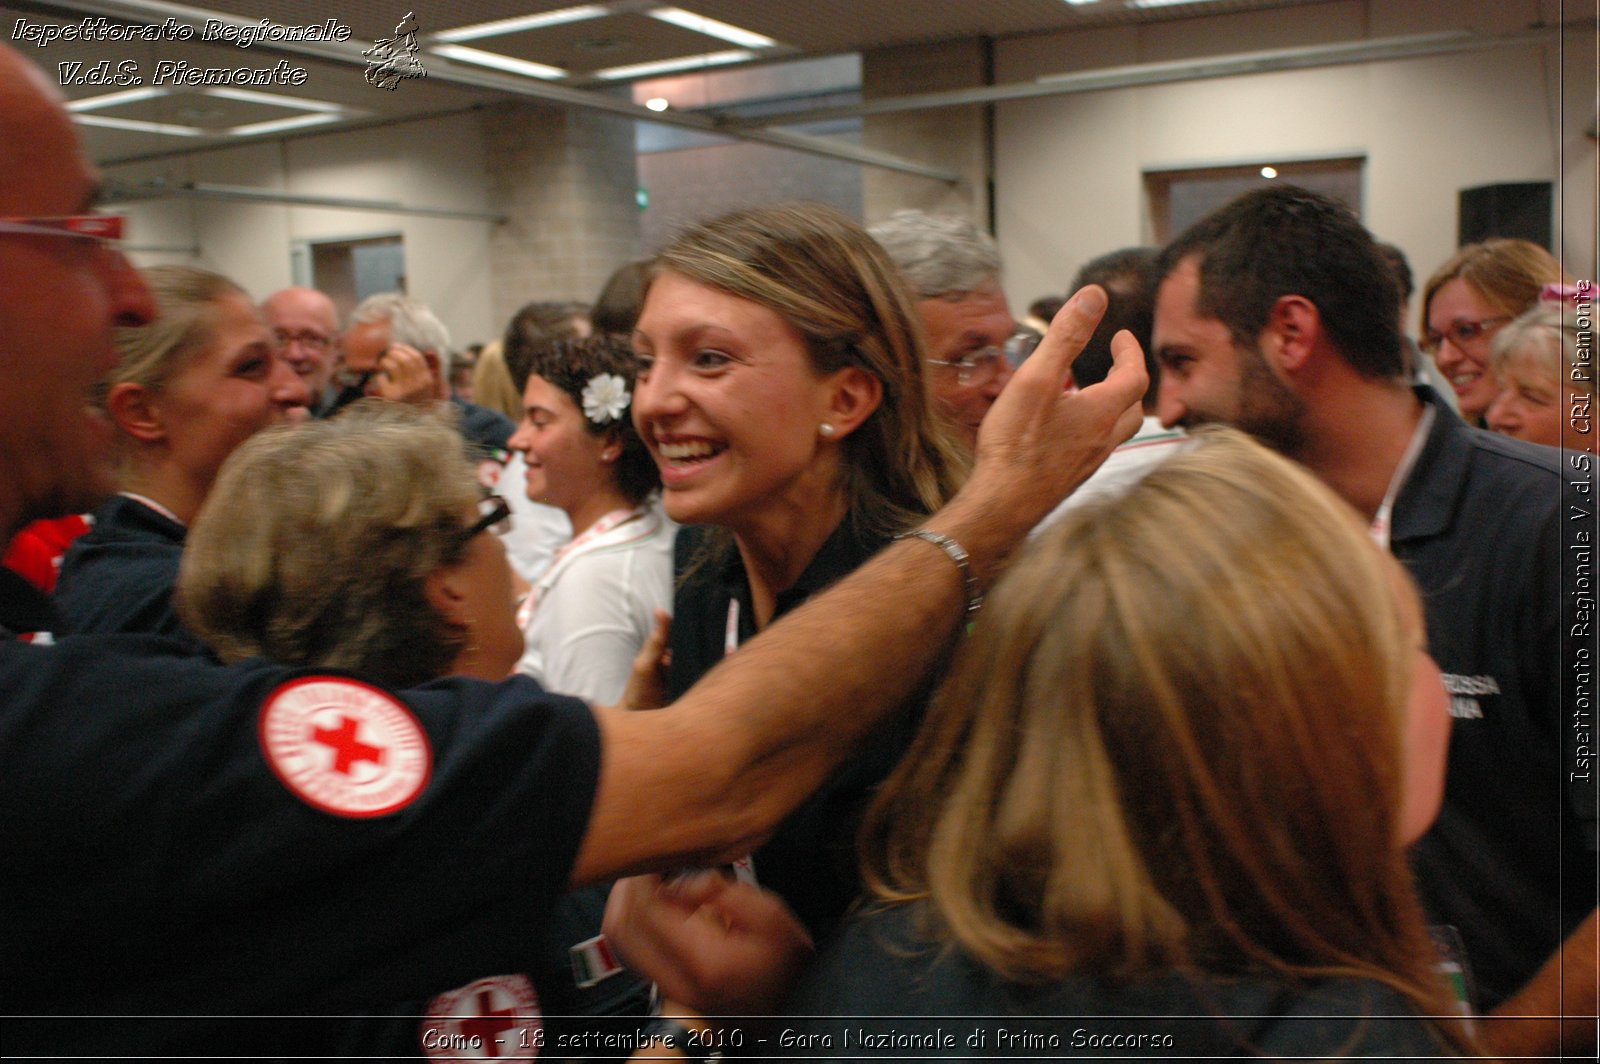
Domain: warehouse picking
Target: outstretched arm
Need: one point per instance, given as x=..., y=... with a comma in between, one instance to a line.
x=709, y=777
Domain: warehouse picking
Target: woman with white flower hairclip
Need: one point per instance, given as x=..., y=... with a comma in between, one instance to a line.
x=594, y=607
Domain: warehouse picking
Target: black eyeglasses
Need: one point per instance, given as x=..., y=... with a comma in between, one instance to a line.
x=493, y=516
x=1460, y=332
x=353, y=379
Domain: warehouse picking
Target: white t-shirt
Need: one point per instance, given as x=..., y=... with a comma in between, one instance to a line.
x=595, y=605
x=537, y=530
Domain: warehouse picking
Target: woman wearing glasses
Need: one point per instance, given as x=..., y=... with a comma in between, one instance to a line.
x=594, y=607
x=1468, y=300
x=362, y=543
x=355, y=543
x=953, y=269
x=188, y=388
x=781, y=393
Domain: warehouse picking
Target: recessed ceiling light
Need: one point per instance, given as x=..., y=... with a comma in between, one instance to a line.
x=1269, y=172
x=522, y=23
x=496, y=61
x=711, y=27
x=669, y=66
x=657, y=103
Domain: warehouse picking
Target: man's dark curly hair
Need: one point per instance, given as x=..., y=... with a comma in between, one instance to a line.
x=1285, y=240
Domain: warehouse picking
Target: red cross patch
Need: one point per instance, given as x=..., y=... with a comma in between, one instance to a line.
x=344, y=747
x=494, y=1017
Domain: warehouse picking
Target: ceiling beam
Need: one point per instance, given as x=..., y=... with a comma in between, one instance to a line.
x=152, y=12
x=1164, y=73
x=119, y=192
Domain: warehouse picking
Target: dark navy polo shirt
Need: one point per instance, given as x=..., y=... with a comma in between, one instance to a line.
x=119, y=575
x=157, y=865
x=1486, y=526
x=811, y=858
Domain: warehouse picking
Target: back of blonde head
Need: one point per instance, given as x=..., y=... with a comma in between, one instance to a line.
x=1173, y=741
x=152, y=354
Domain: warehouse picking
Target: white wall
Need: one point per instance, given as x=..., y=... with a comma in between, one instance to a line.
x=433, y=163
x=1069, y=168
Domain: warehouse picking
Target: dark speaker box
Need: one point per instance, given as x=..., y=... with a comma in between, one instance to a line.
x=1521, y=210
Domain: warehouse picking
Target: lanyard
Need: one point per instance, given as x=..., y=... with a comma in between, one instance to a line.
x=1383, y=520
x=613, y=520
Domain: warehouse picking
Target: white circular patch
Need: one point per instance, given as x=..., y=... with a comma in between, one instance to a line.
x=345, y=747
x=494, y=1017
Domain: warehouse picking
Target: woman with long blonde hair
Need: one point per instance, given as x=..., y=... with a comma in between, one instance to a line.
x=780, y=392
x=188, y=389
x=1160, y=807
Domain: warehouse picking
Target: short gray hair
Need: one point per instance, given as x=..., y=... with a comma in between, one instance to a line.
x=315, y=545
x=1550, y=338
x=410, y=323
x=939, y=254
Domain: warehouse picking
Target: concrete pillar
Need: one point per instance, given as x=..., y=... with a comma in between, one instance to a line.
x=567, y=181
x=956, y=138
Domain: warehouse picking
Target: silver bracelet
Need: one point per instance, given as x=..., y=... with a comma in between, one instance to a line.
x=958, y=554
x=675, y=1034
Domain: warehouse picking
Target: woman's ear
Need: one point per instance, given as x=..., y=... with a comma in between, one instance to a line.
x=445, y=592
x=853, y=395
x=611, y=449
x=134, y=410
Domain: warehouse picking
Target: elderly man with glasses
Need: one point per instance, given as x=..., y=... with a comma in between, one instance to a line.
x=305, y=323
x=973, y=341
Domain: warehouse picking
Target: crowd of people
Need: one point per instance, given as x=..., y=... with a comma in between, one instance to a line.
x=796, y=634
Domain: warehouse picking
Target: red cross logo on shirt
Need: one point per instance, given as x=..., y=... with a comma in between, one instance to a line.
x=347, y=750
x=497, y=1016
x=344, y=747
x=488, y=1023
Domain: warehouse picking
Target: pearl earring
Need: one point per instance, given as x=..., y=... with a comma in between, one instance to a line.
x=826, y=429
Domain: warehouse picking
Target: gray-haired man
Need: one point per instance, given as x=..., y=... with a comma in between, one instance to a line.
x=953, y=268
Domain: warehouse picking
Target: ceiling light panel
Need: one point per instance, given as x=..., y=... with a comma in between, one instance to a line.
x=268, y=99
x=711, y=27
x=674, y=66
x=495, y=61
x=526, y=22
x=282, y=125
x=116, y=99
x=135, y=126
x=1166, y=3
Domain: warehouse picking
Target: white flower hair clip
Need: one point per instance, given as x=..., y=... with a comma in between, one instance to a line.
x=605, y=398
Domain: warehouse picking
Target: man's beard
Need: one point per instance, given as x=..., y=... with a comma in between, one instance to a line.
x=1267, y=409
